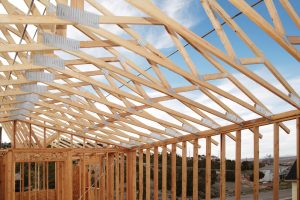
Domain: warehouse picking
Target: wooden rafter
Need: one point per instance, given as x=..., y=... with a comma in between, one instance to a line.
x=113, y=103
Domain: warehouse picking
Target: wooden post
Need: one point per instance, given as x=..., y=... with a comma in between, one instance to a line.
x=131, y=175
x=100, y=178
x=298, y=156
x=238, y=165
x=14, y=134
x=155, y=174
x=173, y=171
x=128, y=177
x=184, y=172
x=110, y=176
x=44, y=172
x=256, y=165
x=164, y=173
x=82, y=182
x=36, y=181
x=45, y=138
x=56, y=180
x=72, y=141
x=0, y=137
x=276, y=162
x=195, y=170
x=22, y=170
x=133, y=172
x=102, y=186
x=13, y=174
x=141, y=181
x=148, y=174
x=223, y=168
x=117, y=157
x=68, y=181
x=30, y=135
x=122, y=177
x=47, y=180
x=9, y=176
x=208, y=169
x=29, y=180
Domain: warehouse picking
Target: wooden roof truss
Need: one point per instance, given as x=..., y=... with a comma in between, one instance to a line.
x=120, y=110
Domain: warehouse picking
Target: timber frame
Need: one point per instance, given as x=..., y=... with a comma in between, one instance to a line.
x=106, y=109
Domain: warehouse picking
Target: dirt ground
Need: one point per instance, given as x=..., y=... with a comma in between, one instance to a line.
x=266, y=195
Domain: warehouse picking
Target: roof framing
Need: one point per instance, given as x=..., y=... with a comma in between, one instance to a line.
x=111, y=102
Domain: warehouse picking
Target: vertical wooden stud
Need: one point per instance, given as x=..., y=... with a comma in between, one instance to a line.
x=68, y=193
x=29, y=180
x=223, y=168
x=83, y=183
x=256, y=165
x=164, y=173
x=102, y=186
x=184, y=172
x=238, y=165
x=22, y=179
x=14, y=134
x=173, y=163
x=208, y=169
x=110, y=176
x=141, y=181
x=276, y=162
x=131, y=175
x=155, y=174
x=298, y=156
x=122, y=177
x=195, y=170
x=133, y=171
x=117, y=176
x=45, y=138
x=47, y=180
x=100, y=179
x=9, y=176
x=148, y=174
x=30, y=135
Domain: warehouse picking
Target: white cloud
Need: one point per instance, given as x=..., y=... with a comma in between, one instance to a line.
x=182, y=11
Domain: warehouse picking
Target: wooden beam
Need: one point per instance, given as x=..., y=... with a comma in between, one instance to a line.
x=164, y=173
x=208, y=169
x=298, y=156
x=148, y=186
x=30, y=135
x=14, y=134
x=141, y=178
x=201, y=45
x=195, y=169
x=110, y=178
x=276, y=162
x=229, y=128
x=256, y=165
x=173, y=171
x=131, y=175
x=68, y=181
x=223, y=168
x=291, y=12
x=9, y=176
x=238, y=165
x=122, y=177
x=52, y=20
x=19, y=67
x=117, y=169
x=294, y=40
x=264, y=25
x=155, y=174
x=184, y=172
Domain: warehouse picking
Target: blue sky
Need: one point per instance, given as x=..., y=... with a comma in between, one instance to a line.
x=191, y=14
